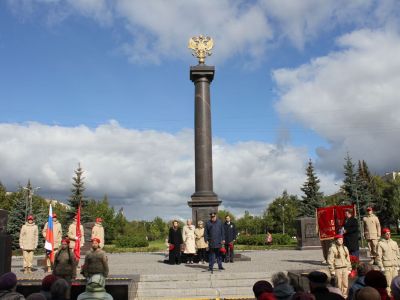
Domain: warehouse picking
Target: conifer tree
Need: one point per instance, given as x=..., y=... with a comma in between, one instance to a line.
x=363, y=179
x=16, y=217
x=350, y=181
x=313, y=197
x=77, y=196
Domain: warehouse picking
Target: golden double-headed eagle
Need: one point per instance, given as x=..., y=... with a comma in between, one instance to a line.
x=201, y=47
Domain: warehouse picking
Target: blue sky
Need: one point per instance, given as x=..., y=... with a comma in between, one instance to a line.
x=291, y=78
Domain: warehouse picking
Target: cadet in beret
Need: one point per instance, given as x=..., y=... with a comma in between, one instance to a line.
x=96, y=261
x=28, y=242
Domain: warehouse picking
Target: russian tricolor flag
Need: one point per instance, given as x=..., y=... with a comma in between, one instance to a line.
x=49, y=244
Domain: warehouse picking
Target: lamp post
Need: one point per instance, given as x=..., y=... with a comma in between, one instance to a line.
x=360, y=225
x=31, y=192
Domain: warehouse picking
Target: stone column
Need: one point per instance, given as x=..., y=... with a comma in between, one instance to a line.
x=204, y=200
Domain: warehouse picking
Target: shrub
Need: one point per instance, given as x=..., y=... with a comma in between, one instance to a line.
x=259, y=239
x=131, y=241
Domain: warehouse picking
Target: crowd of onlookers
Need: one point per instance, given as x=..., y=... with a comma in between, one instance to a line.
x=54, y=288
x=369, y=285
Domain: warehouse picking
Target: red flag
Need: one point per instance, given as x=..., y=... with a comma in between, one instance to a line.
x=77, y=249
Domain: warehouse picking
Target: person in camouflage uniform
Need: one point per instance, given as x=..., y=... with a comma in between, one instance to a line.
x=65, y=262
x=95, y=261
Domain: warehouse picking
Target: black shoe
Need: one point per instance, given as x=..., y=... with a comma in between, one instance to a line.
x=222, y=268
x=211, y=270
x=231, y=261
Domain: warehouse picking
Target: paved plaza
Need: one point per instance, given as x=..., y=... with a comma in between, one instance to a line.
x=269, y=261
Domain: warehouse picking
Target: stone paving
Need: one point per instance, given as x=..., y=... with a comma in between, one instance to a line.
x=269, y=261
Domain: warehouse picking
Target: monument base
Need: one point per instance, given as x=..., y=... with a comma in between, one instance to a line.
x=202, y=205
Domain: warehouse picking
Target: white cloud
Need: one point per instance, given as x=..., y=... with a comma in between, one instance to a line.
x=148, y=172
x=159, y=30
x=350, y=97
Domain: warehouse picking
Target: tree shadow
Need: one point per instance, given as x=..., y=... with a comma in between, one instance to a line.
x=307, y=261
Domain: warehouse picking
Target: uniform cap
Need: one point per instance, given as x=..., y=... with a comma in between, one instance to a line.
x=95, y=239
x=212, y=214
x=338, y=236
x=30, y=217
x=385, y=230
x=369, y=208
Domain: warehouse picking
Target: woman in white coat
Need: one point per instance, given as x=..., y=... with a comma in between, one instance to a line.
x=189, y=240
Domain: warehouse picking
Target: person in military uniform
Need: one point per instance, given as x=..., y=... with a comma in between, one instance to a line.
x=57, y=234
x=388, y=256
x=339, y=263
x=72, y=234
x=175, y=242
x=65, y=262
x=372, y=229
x=28, y=242
x=98, y=231
x=96, y=261
x=230, y=238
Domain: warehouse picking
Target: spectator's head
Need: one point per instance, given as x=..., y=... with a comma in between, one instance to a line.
x=175, y=224
x=189, y=222
x=317, y=279
x=48, y=281
x=348, y=213
x=213, y=216
x=36, y=296
x=376, y=280
x=200, y=224
x=8, y=281
x=59, y=289
x=367, y=293
x=260, y=287
x=395, y=287
x=279, y=278
x=96, y=283
x=303, y=296
x=363, y=269
x=227, y=218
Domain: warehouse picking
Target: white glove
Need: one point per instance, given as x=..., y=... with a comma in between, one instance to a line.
x=349, y=272
x=76, y=238
x=383, y=269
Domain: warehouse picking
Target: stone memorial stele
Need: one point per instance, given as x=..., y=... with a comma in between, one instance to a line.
x=5, y=244
x=307, y=235
x=204, y=200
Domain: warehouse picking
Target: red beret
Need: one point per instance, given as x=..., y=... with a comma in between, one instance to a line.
x=385, y=230
x=98, y=220
x=339, y=236
x=30, y=217
x=95, y=239
x=369, y=208
x=54, y=215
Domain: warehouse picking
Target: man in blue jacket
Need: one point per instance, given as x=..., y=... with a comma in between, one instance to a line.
x=214, y=233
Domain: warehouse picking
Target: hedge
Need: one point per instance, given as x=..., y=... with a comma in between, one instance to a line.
x=259, y=239
x=131, y=241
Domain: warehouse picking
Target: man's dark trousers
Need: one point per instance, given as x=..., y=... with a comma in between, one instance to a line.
x=214, y=252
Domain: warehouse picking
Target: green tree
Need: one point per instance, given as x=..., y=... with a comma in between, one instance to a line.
x=223, y=213
x=349, y=186
x=16, y=217
x=283, y=212
x=313, y=197
x=244, y=223
x=363, y=179
x=77, y=196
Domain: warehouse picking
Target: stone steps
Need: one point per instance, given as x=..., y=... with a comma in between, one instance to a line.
x=198, y=285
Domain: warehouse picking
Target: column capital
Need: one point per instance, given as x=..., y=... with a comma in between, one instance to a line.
x=200, y=71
